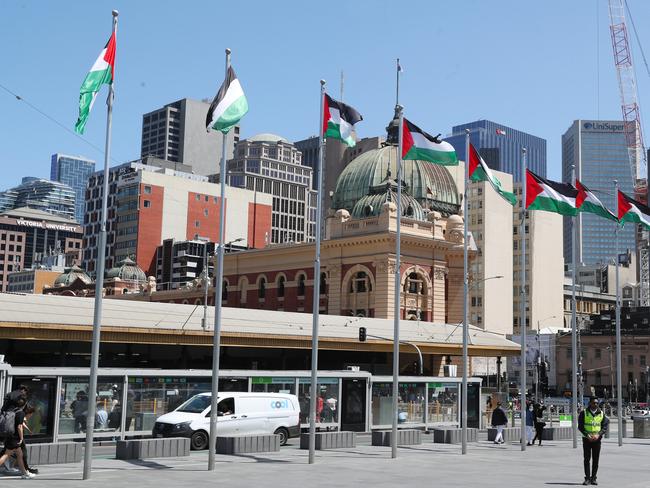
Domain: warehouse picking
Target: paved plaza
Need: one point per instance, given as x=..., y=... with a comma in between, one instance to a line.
x=486, y=465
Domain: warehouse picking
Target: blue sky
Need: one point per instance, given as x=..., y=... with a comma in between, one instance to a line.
x=532, y=65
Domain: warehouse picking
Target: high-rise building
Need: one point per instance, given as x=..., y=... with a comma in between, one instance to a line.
x=598, y=150
x=269, y=164
x=176, y=132
x=74, y=171
x=544, y=267
x=149, y=204
x=500, y=146
x=26, y=235
x=38, y=193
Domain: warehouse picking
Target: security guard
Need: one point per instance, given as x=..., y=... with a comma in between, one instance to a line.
x=593, y=424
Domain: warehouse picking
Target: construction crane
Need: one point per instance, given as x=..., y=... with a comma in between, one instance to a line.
x=633, y=131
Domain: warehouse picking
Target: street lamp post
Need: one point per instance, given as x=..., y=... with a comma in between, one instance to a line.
x=465, y=364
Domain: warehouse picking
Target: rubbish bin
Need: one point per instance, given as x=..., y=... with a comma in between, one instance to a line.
x=641, y=428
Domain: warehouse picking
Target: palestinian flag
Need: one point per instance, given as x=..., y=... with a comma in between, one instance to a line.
x=229, y=106
x=417, y=144
x=550, y=196
x=630, y=210
x=102, y=72
x=339, y=120
x=479, y=171
x=586, y=201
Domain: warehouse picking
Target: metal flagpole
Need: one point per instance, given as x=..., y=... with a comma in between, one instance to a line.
x=574, y=330
x=396, y=318
x=619, y=380
x=218, y=277
x=99, y=285
x=316, y=298
x=463, y=414
x=522, y=313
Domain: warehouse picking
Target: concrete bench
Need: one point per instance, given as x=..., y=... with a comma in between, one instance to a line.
x=153, y=448
x=453, y=435
x=330, y=440
x=405, y=437
x=510, y=434
x=641, y=428
x=557, y=434
x=247, y=444
x=60, y=453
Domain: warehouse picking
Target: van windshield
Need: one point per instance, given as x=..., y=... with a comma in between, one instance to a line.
x=196, y=404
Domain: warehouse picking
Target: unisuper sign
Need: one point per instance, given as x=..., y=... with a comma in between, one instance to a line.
x=46, y=225
x=597, y=126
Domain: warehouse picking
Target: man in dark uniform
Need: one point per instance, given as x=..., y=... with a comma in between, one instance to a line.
x=593, y=424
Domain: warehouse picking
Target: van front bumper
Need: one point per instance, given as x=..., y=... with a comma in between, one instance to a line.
x=162, y=429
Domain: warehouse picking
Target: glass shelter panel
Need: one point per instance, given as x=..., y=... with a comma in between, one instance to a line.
x=150, y=397
x=326, y=404
x=443, y=403
x=73, y=405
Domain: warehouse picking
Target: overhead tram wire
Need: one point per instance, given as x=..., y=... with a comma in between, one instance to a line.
x=53, y=120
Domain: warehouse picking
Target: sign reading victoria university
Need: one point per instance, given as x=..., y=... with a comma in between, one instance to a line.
x=47, y=225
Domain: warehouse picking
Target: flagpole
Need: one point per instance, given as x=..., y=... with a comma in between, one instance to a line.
x=99, y=285
x=397, y=89
x=619, y=384
x=574, y=330
x=396, y=315
x=316, y=297
x=522, y=305
x=216, y=337
x=463, y=418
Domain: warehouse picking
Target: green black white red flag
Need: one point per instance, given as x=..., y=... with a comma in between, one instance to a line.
x=101, y=73
x=228, y=106
x=586, y=201
x=479, y=171
x=630, y=210
x=339, y=120
x=550, y=196
x=417, y=144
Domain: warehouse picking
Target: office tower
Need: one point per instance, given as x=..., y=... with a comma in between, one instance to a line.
x=500, y=146
x=74, y=171
x=177, y=133
x=38, y=193
x=269, y=164
x=598, y=150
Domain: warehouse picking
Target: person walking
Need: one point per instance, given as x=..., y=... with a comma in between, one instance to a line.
x=538, y=412
x=530, y=423
x=592, y=424
x=15, y=440
x=499, y=421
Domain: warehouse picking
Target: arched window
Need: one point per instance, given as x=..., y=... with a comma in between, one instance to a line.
x=414, y=284
x=261, y=288
x=198, y=301
x=301, y=285
x=281, y=281
x=224, y=291
x=323, y=283
x=360, y=283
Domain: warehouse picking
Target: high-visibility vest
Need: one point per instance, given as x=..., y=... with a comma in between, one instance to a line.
x=593, y=423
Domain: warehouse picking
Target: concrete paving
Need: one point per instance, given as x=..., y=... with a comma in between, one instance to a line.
x=486, y=465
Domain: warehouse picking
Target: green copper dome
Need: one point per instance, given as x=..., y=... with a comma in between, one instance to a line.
x=429, y=184
x=71, y=274
x=126, y=270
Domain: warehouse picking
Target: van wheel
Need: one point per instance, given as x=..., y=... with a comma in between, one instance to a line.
x=199, y=440
x=284, y=435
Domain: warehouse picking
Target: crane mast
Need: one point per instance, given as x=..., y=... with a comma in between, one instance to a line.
x=633, y=132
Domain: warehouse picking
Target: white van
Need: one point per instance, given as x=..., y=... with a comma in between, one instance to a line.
x=238, y=414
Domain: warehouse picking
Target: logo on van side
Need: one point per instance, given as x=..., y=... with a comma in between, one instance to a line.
x=280, y=404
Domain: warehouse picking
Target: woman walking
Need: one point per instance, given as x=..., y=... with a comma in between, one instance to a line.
x=530, y=423
x=538, y=411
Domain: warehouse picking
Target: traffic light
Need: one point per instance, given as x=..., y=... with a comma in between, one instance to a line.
x=362, y=334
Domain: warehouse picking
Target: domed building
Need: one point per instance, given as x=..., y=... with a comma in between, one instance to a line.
x=431, y=185
x=70, y=275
